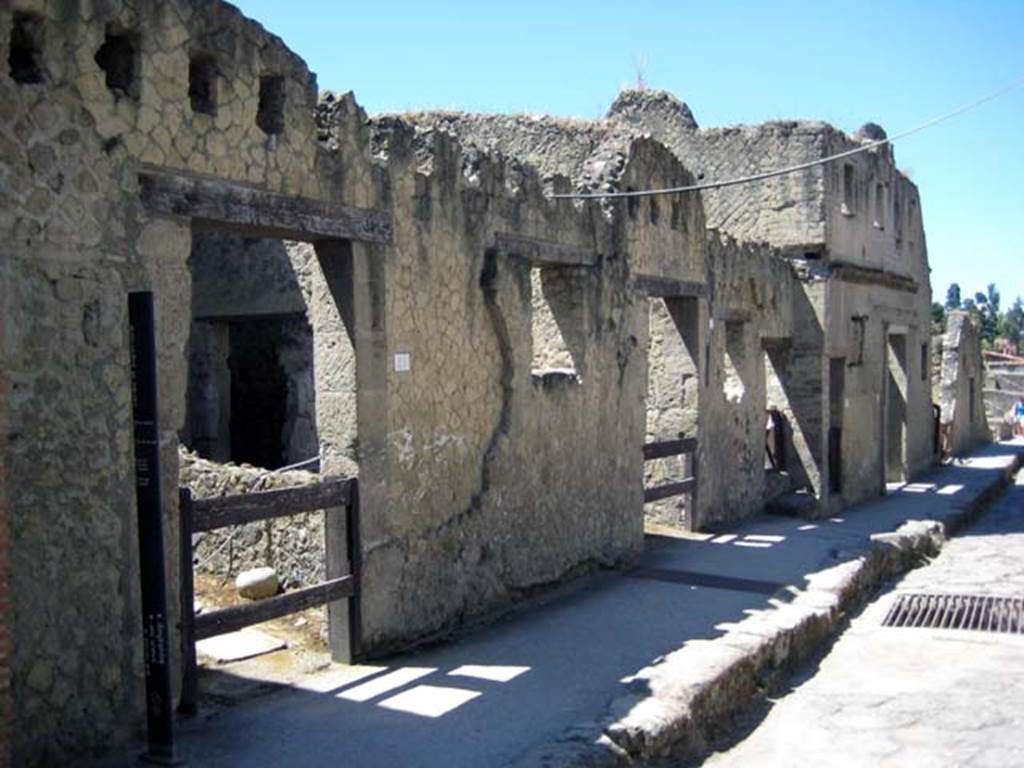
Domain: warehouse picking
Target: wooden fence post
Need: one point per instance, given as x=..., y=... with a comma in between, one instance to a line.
x=355, y=563
x=341, y=534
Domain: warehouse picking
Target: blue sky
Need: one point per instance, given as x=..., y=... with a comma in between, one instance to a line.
x=895, y=63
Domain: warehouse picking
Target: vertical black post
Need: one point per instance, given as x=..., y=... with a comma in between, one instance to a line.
x=159, y=714
x=187, y=703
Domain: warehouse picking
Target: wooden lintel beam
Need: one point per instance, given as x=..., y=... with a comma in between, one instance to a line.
x=851, y=273
x=776, y=342
x=215, y=203
x=543, y=251
x=667, y=287
x=727, y=315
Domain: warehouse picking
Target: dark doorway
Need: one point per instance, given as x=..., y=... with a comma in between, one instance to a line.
x=259, y=394
x=251, y=389
x=836, y=397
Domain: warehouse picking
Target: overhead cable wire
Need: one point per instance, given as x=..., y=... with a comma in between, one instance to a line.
x=793, y=168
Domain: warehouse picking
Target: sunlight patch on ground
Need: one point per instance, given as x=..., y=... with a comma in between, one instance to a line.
x=918, y=487
x=388, y=682
x=497, y=674
x=429, y=700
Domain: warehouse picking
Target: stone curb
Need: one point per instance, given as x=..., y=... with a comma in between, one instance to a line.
x=679, y=706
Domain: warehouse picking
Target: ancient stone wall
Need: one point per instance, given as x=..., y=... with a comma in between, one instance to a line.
x=524, y=463
x=854, y=233
x=664, y=239
x=752, y=295
x=6, y=714
x=961, y=391
x=1004, y=387
x=87, y=95
x=787, y=211
x=479, y=350
x=293, y=546
x=873, y=210
x=552, y=145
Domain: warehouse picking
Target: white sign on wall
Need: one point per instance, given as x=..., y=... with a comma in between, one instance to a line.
x=403, y=362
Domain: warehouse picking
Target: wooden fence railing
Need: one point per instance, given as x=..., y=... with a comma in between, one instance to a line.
x=664, y=449
x=335, y=496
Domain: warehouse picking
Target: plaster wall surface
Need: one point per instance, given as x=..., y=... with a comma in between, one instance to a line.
x=234, y=276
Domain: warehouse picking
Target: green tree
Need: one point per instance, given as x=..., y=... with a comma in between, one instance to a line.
x=988, y=314
x=1011, y=325
x=953, y=296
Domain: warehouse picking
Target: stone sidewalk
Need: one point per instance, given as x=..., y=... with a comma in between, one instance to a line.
x=623, y=668
x=892, y=696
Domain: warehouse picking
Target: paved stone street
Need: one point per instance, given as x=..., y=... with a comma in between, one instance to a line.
x=899, y=696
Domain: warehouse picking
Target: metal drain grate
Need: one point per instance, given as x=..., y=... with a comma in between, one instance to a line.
x=980, y=613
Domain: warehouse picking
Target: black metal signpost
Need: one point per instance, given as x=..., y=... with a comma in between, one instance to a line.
x=159, y=714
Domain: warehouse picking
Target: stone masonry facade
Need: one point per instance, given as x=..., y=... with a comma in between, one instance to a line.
x=400, y=298
x=961, y=385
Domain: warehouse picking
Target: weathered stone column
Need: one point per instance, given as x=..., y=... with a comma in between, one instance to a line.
x=350, y=365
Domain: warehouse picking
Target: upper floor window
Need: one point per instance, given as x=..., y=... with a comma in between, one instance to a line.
x=118, y=58
x=879, y=220
x=849, y=188
x=270, y=113
x=897, y=216
x=202, y=84
x=24, y=57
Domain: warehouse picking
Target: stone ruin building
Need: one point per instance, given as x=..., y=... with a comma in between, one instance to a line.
x=962, y=395
x=1004, y=387
x=400, y=297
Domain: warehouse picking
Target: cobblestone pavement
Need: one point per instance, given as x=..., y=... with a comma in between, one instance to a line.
x=912, y=697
